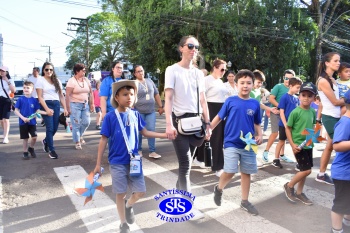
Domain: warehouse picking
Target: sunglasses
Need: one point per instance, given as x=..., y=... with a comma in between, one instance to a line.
x=223, y=70
x=47, y=70
x=191, y=46
x=2, y=70
x=286, y=78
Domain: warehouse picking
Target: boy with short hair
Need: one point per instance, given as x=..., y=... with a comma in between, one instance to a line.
x=247, y=110
x=286, y=105
x=341, y=171
x=124, y=96
x=25, y=106
x=299, y=119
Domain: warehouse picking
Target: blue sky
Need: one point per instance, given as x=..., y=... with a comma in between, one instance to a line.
x=26, y=25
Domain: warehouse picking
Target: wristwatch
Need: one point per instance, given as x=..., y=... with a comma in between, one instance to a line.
x=9, y=83
x=207, y=123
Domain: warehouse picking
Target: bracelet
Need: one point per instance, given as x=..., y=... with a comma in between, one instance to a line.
x=207, y=123
x=9, y=83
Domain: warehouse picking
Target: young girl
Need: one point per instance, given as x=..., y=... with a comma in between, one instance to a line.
x=343, y=81
x=97, y=105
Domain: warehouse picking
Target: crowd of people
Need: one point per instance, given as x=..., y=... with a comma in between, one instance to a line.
x=228, y=105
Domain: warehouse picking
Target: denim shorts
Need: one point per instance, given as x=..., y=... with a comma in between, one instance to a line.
x=246, y=159
x=121, y=180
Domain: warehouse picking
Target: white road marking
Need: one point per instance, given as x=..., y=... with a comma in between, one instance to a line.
x=100, y=214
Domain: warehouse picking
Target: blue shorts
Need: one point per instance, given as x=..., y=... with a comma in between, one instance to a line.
x=246, y=159
x=121, y=180
x=97, y=109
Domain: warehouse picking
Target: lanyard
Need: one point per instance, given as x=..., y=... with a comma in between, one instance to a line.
x=144, y=85
x=124, y=132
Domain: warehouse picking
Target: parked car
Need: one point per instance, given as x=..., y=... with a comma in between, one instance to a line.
x=19, y=89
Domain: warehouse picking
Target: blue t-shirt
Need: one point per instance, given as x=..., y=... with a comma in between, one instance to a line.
x=288, y=103
x=341, y=164
x=27, y=106
x=106, y=90
x=133, y=123
x=241, y=115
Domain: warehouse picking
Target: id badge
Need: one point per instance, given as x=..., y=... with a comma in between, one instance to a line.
x=147, y=97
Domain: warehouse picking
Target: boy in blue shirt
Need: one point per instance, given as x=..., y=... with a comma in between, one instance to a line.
x=287, y=104
x=299, y=119
x=124, y=96
x=341, y=171
x=25, y=106
x=242, y=114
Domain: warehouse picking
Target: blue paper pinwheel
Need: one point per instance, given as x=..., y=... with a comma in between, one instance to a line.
x=34, y=115
x=91, y=185
x=313, y=135
x=250, y=141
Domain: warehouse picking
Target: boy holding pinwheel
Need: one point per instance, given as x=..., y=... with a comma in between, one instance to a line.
x=301, y=119
x=27, y=108
x=242, y=115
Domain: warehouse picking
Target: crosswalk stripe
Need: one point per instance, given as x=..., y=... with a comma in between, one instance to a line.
x=100, y=214
x=1, y=213
x=222, y=214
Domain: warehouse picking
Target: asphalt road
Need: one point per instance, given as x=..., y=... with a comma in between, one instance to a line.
x=37, y=194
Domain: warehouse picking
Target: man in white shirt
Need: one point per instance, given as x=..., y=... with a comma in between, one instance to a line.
x=33, y=79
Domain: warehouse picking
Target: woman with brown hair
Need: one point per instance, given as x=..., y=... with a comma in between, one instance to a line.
x=78, y=104
x=49, y=90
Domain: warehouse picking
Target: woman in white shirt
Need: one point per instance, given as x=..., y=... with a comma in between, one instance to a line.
x=7, y=87
x=230, y=83
x=49, y=90
x=181, y=96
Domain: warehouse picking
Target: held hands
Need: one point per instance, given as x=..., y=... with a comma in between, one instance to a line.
x=65, y=113
x=50, y=112
x=160, y=110
x=208, y=132
x=274, y=110
x=171, y=132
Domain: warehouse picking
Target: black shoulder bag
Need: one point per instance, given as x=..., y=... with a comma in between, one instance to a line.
x=12, y=103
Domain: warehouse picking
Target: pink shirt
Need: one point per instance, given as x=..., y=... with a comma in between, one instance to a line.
x=96, y=98
x=80, y=92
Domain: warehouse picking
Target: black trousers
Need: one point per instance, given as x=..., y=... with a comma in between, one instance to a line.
x=216, y=140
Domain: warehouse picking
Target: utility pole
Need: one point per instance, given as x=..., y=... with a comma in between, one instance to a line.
x=49, y=51
x=82, y=22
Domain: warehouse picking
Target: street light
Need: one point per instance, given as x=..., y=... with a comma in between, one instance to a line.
x=158, y=72
x=229, y=64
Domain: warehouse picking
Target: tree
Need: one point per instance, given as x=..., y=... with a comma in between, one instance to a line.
x=106, y=42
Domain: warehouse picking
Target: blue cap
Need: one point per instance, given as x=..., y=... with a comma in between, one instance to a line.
x=347, y=97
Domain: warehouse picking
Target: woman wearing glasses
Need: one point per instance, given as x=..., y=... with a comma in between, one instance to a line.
x=147, y=95
x=229, y=81
x=106, y=87
x=216, y=94
x=49, y=90
x=181, y=97
x=78, y=103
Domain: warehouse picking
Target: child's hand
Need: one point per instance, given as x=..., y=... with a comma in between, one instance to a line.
x=50, y=112
x=295, y=148
x=170, y=132
x=26, y=119
x=258, y=139
x=98, y=170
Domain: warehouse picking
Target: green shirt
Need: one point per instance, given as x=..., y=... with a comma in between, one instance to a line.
x=300, y=119
x=278, y=90
x=256, y=94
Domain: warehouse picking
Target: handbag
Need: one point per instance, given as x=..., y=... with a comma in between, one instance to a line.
x=192, y=125
x=12, y=102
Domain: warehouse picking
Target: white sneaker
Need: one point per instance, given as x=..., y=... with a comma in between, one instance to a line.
x=5, y=141
x=218, y=173
x=195, y=162
x=259, y=163
x=197, y=214
x=154, y=155
x=140, y=153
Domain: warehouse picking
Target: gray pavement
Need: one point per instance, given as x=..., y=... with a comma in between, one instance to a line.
x=37, y=194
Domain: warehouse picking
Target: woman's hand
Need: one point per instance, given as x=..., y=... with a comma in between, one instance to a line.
x=50, y=112
x=92, y=108
x=65, y=113
x=170, y=132
x=160, y=110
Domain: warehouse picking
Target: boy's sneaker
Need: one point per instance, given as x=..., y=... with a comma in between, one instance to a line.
x=286, y=159
x=195, y=162
x=247, y=206
x=303, y=198
x=98, y=127
x=324, y=179
x=124, y=228
x=289, y=193
x=45, y=146
x=53, y=155
x=25, y=155
x=129, y=214
x=31, y=152
x=217, y=196
x=277, y=163
x=265, y=156
x=297, y=167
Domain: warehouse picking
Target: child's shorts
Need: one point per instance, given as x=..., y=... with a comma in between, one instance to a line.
x=304, y=159
x=282, y=133
x=341, y=202
x=121, y=180
x=25, y=130
x=246, y=159
x=97, y=109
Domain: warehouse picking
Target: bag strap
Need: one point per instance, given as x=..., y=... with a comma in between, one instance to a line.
x=197, y=95
x=126, y=140
x=4, y=90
